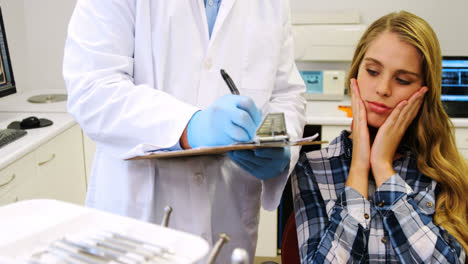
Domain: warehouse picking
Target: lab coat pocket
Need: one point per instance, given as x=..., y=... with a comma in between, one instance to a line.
x=261, y=56
x=260, y=62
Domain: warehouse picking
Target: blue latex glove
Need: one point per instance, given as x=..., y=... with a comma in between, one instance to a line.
x=230, y=119
x=262, y=163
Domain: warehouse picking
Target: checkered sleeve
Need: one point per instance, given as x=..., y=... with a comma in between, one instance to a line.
x=407, y=217
x=333, y=231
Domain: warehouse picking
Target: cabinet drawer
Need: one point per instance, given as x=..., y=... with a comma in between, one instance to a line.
x=60, y=168
x=15, y=177
x=24, y=191
x=8, y=198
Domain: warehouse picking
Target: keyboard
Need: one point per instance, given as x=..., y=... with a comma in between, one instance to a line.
x=10, y=135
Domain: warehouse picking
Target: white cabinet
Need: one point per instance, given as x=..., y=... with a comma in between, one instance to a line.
x=16, y=180
x=55, y=170
x=60, y=167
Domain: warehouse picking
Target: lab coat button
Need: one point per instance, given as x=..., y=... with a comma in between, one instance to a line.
x=208, y=64
x=198, y=178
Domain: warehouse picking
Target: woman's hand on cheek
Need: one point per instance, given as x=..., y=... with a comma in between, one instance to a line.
x=390, y=134
x=360, y=165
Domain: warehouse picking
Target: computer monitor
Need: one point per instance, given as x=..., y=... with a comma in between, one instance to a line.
x=455, y=85
x=7, y=81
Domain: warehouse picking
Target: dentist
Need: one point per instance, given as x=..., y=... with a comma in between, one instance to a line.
x=142, y=71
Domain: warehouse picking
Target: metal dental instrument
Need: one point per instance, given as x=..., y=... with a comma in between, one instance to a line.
x=223, y=238
x=75, y=254
x=126, y=245
x=110, y=249
x=98, y=251
x=64, y=256
x=138, y=256
x=142, y=253
x=37, y=258
x=167, y=214
x=149, y=246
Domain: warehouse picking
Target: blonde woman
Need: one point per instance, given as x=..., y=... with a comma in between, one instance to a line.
x=392, y=190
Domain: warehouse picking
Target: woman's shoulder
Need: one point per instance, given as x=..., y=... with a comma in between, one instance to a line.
x=340, y=145
x=321, y=174
x=326, y=161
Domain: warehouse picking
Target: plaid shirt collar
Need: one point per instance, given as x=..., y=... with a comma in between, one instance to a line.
x=343, y=146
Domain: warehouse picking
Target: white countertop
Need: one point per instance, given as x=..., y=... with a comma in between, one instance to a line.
x=327, y=113
x=35, y=137
x=19, y=102
x=16, y=107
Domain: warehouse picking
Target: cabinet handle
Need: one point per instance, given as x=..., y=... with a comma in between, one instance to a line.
x=47, y=161
x=8, y=182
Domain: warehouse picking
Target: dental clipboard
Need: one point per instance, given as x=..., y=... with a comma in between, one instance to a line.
x=271, y=133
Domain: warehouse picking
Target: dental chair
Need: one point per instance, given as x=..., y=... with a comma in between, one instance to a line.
x=289, y=244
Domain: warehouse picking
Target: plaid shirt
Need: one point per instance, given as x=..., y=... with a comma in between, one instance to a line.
x=336, y=224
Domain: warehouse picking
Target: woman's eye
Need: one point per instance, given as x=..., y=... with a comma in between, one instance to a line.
x=372, y=72
x=403, y=82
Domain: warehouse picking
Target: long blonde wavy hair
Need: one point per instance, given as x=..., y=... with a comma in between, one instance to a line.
x=431, y=135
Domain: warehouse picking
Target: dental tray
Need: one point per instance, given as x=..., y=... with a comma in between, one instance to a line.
x=32, y=230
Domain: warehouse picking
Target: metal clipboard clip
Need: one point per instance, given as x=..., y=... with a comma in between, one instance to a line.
x=272, y=129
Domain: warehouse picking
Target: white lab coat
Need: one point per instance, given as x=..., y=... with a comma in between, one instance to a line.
x=137, y=70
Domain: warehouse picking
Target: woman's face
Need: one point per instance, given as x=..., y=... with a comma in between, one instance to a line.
x=389, y=73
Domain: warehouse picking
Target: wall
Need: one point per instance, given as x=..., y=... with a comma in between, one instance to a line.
x=448, y=18
x=13, y=18
x=36, y=31
x=46, y=25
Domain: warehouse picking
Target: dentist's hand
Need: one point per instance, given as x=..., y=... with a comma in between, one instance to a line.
x=263, y=163
x=230, y=119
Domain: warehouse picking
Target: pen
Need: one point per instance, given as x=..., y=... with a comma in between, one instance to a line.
x=229, y=82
